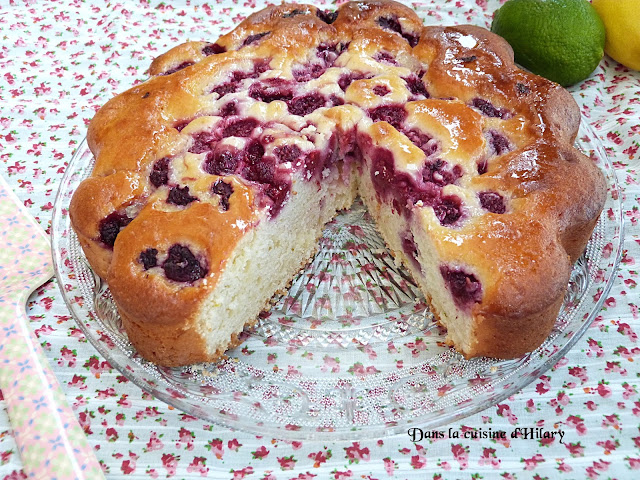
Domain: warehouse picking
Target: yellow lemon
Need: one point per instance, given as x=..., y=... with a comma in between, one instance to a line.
x=621, y=20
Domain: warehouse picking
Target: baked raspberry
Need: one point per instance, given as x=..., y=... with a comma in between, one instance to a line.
x=392, y=23
x=203, y=142
x=261, y=172
x=110, y=227
x=441, y=173
x=160, y=173
x=423, y=141
x=336, y=100
x=228, y=110
x=306, y=104
x=224, y=190
x=222, y=161
x=416, y=86
x=259, y=67
x=412, y=39
x=225, y=88
x=499, y=143
x=213, y=49
x=181, y=124
x=293, y=13
x=254, y=38
x=449, y=210
x=180, y=196
x=464, y=287
x=385, y=57
x=278, y=193
x=483, y=166
x=287, y=153
x=177, y=68
x=410, y=249
x=309, y=72
x=468, y=59
x=148, y=258
x=492, y=201
x=332, y=153
x=348, y=78
x=329, y=52
x=255, y=152
x=232, y=86
x=240, y=128
x=399, y=187
x=392, y=114
x=313, y=164
x=271, y=89
x=327, y=16
x=182, y=266
x=381, y=90
x=488, y=109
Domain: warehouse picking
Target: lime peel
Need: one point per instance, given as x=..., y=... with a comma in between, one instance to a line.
x=562, y=40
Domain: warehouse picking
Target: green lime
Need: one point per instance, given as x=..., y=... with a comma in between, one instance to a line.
x=562, y=40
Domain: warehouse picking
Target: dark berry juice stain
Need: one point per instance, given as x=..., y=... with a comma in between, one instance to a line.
x=228, y=110
x=309, y=72
x=385, y=57
x=293, y=13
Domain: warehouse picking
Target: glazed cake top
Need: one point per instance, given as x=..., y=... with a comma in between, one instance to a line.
x=459, y=139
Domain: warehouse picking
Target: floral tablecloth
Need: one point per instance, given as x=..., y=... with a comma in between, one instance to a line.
x=60, y=60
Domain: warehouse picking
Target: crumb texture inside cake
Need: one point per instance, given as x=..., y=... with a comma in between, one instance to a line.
x=214, y=178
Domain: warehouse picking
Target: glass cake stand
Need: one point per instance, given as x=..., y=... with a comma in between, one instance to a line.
x=351, y=348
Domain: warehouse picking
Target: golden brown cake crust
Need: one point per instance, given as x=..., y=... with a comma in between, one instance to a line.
x=136, y=222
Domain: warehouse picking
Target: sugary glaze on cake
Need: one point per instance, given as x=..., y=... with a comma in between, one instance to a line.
x=214, y=178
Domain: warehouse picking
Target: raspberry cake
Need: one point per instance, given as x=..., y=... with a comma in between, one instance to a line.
x=214, y=178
